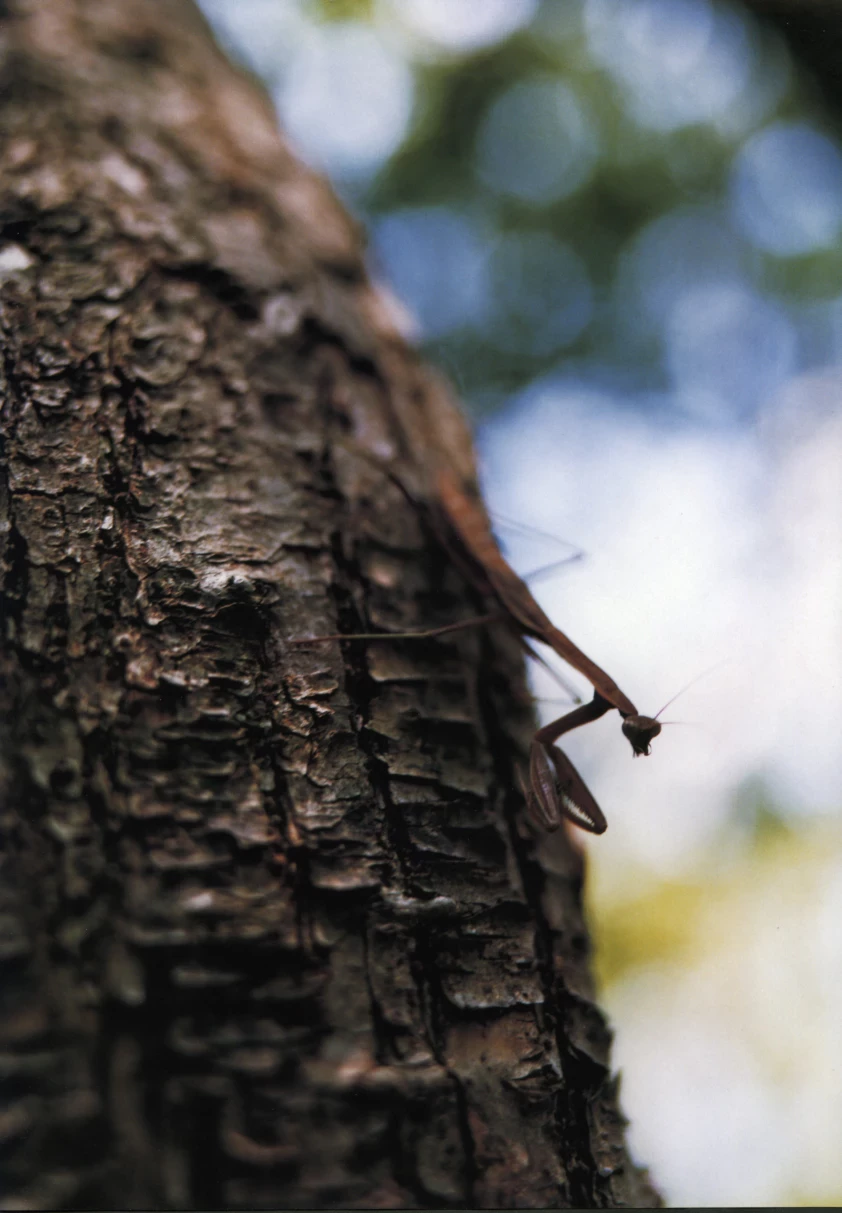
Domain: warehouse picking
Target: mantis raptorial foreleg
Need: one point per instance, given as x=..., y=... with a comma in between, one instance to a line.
x=557, y=790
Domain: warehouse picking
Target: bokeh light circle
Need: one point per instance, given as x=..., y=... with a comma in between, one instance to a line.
x=346, y=99
x=435, y=260
x=537, y=142
x=465, y=25
x=786, y=189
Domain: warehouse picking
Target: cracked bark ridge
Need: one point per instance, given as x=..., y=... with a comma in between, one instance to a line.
x=272, y=932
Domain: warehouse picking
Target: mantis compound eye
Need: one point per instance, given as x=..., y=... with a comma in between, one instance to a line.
x=640, y=730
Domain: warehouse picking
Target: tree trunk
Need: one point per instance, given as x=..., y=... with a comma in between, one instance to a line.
x=273, y=931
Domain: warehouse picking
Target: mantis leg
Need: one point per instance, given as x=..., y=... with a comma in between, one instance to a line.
x=474, y=621
x=557, y=790
x=584, y=714
x=576, y=800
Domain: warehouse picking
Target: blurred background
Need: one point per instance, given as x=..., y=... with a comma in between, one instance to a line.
x=618, y=226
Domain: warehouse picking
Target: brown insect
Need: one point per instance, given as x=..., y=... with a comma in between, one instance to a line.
x=556, y=790
x=434, y=430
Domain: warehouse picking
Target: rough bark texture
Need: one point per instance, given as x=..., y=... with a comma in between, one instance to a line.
x=273, y=934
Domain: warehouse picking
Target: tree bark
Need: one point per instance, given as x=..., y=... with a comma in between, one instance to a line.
x=273, y=931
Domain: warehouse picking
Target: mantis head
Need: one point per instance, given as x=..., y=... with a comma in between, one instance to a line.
x=640, y=730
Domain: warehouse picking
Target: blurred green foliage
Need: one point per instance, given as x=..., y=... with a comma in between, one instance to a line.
x=531, y=162
x=640, y=173
x=340, y=10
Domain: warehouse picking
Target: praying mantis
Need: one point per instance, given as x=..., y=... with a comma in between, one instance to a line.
x=555, y=789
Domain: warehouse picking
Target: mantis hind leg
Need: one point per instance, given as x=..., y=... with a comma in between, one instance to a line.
x=475, y=621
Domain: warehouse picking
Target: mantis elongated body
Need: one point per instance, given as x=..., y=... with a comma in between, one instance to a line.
x=556, y=789
x=436, y=432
